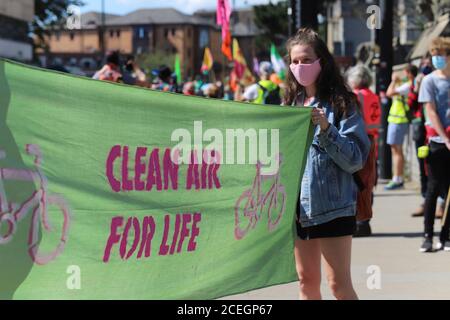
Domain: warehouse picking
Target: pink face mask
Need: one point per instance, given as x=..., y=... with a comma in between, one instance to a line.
x=306, y=74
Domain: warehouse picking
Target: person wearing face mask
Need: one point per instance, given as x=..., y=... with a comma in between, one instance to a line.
x=434, y=94
x=418, y=132
x=327, y=201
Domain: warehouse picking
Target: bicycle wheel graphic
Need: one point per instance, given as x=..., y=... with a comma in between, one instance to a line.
x=245, y=210
x=7, y=218
x=39, y=257
x=277, y=206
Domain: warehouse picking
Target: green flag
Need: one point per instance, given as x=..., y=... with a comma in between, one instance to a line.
x=177, y=68
x=277, y=62
x=114, y=192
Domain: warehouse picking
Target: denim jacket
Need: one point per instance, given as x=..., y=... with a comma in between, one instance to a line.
x=328, y=190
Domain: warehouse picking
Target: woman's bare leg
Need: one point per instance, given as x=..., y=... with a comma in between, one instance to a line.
x=337, y=255
x=307, y=262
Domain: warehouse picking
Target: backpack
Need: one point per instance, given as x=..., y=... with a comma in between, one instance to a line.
x=272, y=96
x=365, y=179
x=413, y=100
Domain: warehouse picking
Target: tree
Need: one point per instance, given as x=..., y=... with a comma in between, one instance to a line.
x=272, y=20
x=432, y=9
x=49, y=14
x=309, y=11
x=150, y=61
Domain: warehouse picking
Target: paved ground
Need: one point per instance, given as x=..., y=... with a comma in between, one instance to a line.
x=394, y=248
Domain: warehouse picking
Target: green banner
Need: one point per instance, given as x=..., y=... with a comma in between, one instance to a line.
x=115, y=192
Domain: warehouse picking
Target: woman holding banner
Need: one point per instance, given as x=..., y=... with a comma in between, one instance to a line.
x=326, y=210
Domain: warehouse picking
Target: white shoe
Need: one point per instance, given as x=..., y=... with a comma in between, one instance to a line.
x=443, y=246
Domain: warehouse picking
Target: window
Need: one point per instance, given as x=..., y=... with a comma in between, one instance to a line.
x=349, y=48
x=141, y=33
x=111, y=33
x=166, y=32
x=57, y=36
x=72, y=36
x=118, y=33
x=203, y=38
x=174, y=31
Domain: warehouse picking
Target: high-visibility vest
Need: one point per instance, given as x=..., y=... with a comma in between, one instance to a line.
x=397, y=112
x=268, y=85
x=371, y=113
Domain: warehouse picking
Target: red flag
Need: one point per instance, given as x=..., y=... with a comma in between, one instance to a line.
x=240, y=65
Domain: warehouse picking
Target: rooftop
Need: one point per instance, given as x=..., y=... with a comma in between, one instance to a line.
x=143, y=16
x=91, y=19
x=242, y=20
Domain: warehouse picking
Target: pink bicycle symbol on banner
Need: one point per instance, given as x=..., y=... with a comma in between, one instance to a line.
x=37, y=203
x=251, y=204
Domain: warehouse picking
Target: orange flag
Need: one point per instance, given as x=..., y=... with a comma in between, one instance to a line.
x=226, y=46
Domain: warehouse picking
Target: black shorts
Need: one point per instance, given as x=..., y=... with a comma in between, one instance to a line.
x=339, y=227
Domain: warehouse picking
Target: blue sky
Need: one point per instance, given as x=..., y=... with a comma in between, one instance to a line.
x=186, y=6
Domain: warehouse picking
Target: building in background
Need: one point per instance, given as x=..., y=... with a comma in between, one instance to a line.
x=347, y=29
x=438, y=28
x=146, y=31
x=14, y=18
x=242, y=27
x=344, y=17
x=76, y=47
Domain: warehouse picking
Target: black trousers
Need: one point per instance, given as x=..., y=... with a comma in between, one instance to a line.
x=423, y=174
x=438, y=165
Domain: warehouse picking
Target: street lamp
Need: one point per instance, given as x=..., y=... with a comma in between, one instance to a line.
x=102, y=31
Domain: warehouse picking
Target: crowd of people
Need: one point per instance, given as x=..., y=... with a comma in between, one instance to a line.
x=126, y=70
x=336, y=190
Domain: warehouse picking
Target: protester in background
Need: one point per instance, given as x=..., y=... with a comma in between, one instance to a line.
x=212, y=91
x=419, y=136
x=221, y=89
x=111, y=70
x=398, y=123
x=132, y=74
x=164, y=80
x=434, y=94
x=200, y=82
x=326, y=210
x=418, y=132
x=426, y=66
x=228, y=94
x=189, y=89
x=265, y=91
x=360, y=79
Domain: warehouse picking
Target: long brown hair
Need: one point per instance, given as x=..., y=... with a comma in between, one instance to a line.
x=331, y=87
